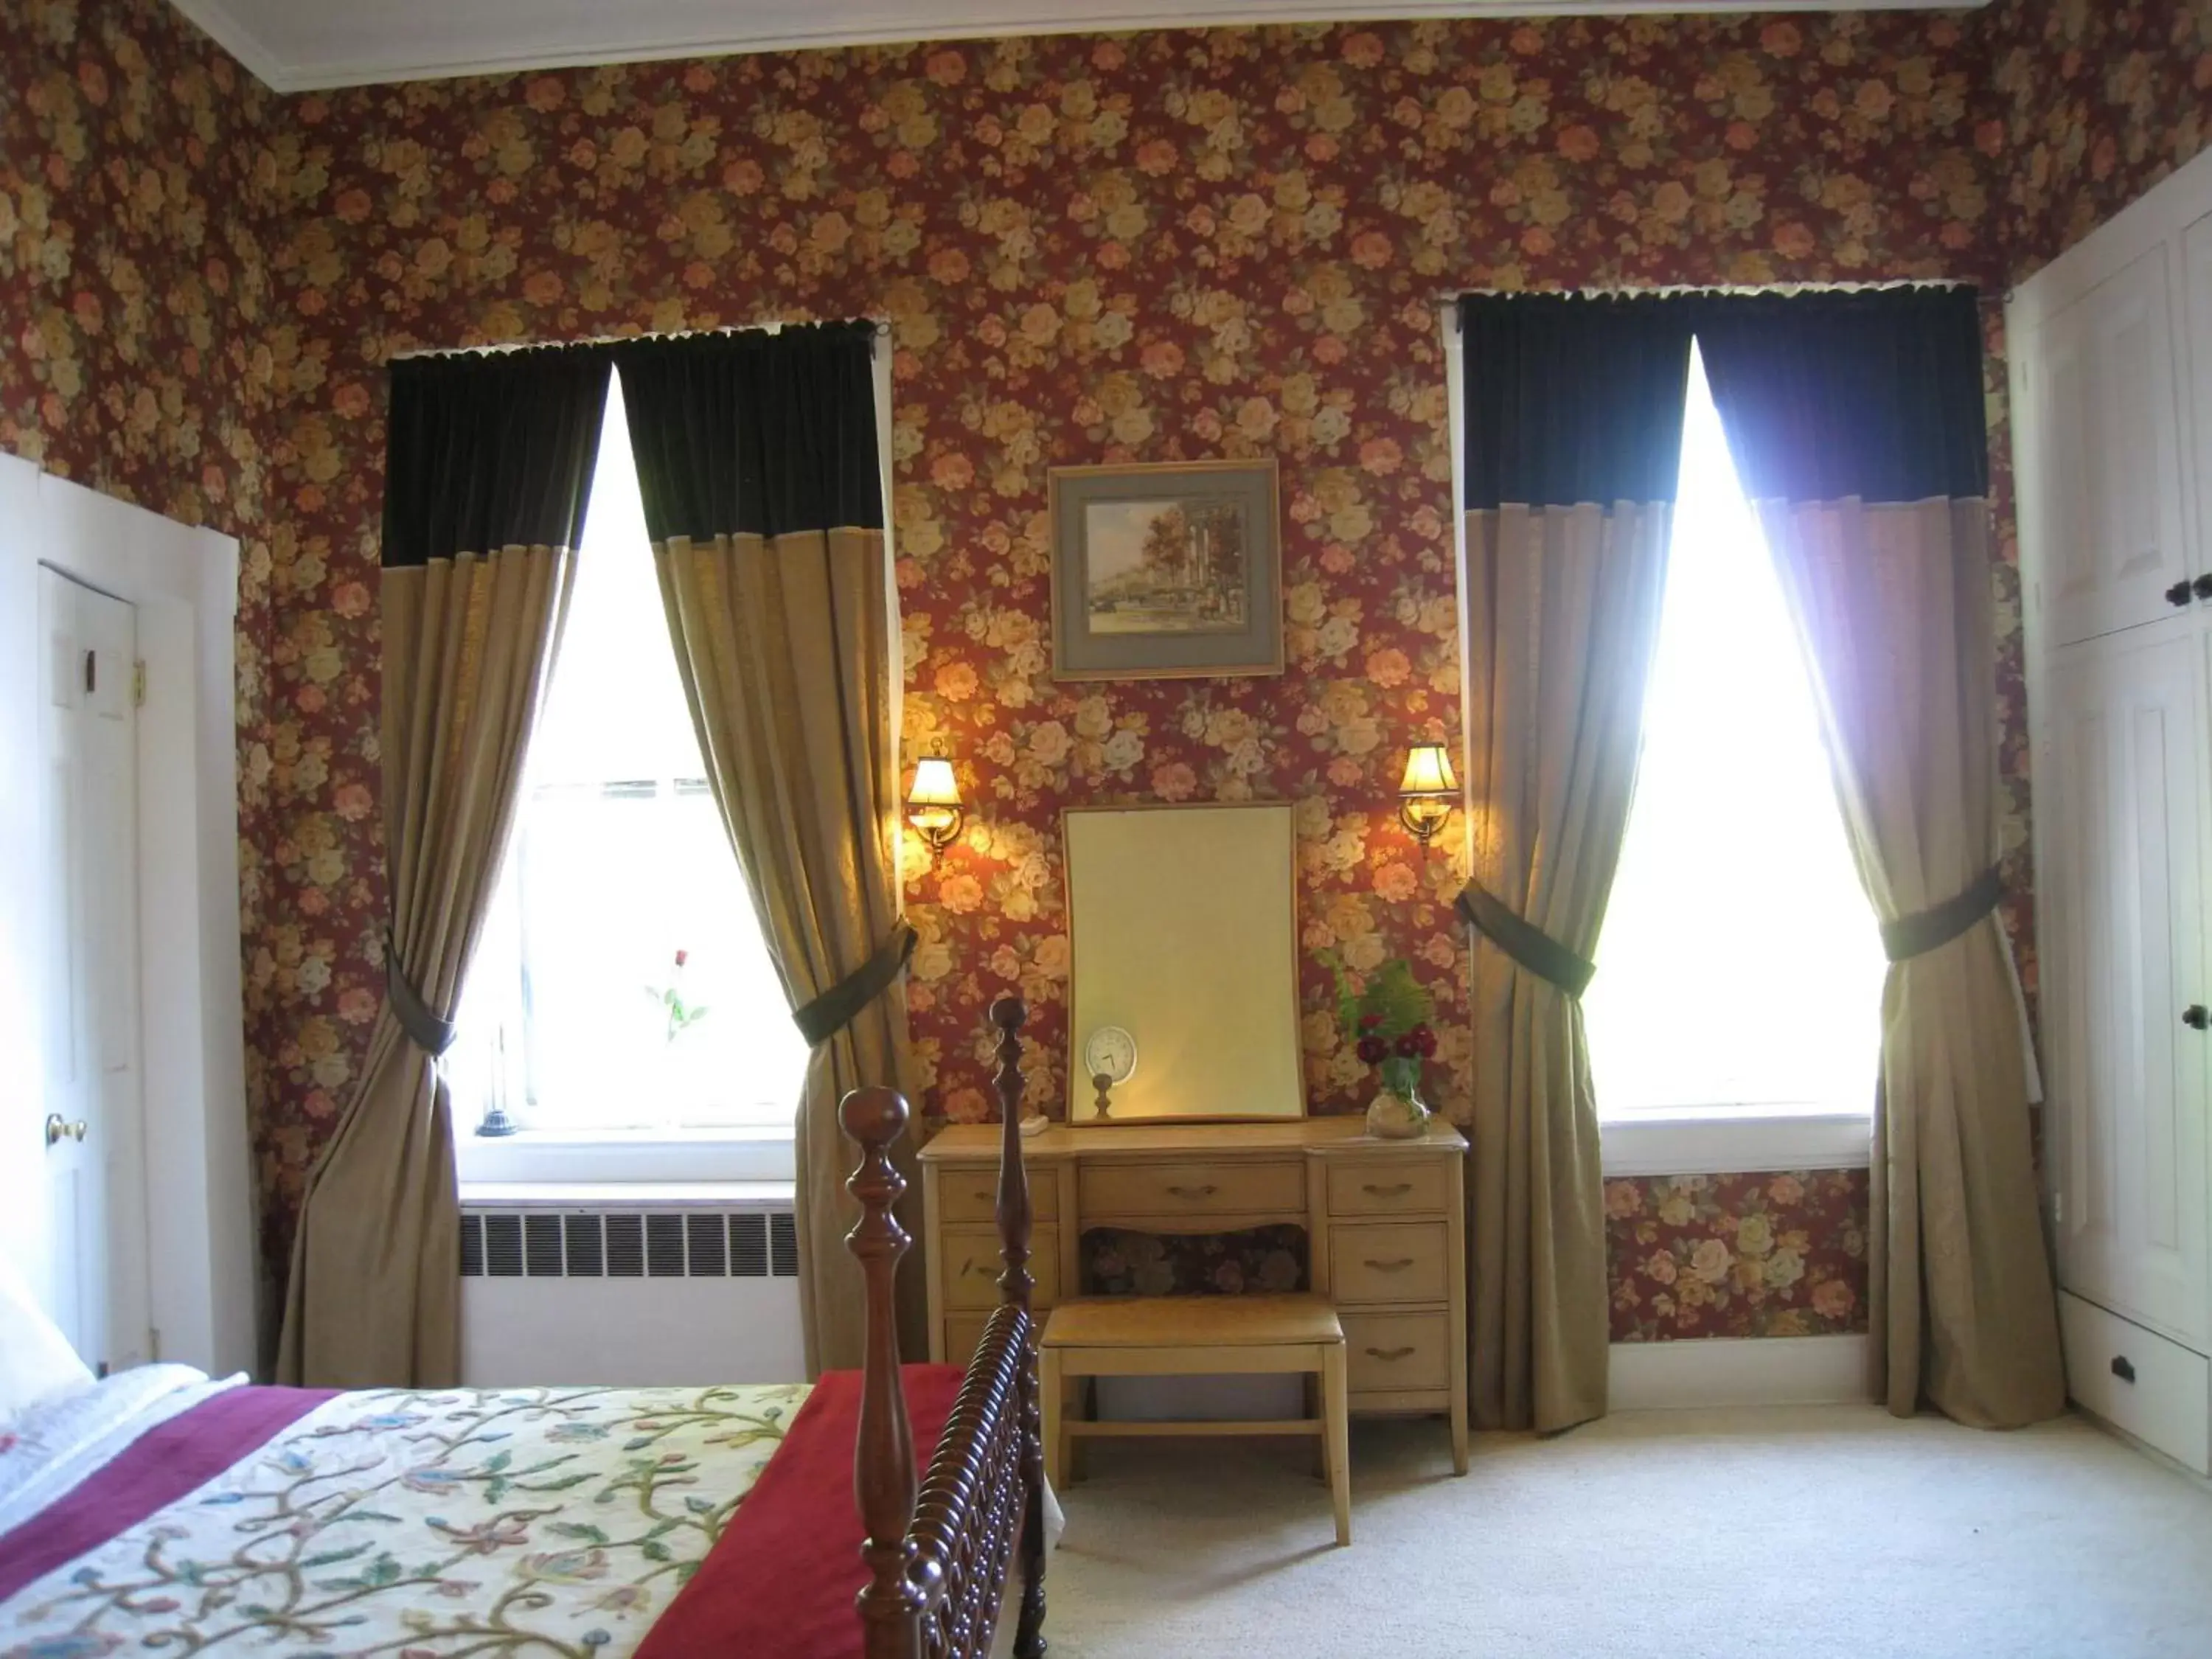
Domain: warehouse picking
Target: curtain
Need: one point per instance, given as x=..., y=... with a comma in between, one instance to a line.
x=1857, y=424
x=1573, y=425
x=757, y=457
x=489, y=467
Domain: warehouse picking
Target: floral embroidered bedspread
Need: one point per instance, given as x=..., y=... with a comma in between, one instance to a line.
x=505, y=1521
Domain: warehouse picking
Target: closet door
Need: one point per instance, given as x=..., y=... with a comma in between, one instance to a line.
x=2101, y=472
x=2125, y=995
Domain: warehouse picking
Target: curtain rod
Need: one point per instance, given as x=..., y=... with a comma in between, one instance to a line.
x=1620, y=290
x=882, y=325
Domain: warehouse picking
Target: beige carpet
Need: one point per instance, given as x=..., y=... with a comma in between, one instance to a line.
x=1794, y=1533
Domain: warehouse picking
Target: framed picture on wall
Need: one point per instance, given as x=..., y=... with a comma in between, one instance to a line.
x=1172, y=570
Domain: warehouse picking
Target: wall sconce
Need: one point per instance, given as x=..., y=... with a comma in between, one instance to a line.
x=1427, y=793
x=932, y=805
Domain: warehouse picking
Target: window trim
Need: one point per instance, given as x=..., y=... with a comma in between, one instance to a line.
x=628, y=1156
x=1735, y=1140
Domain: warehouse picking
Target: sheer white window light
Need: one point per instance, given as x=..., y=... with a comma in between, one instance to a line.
x=1741, y=966
x=619, y=863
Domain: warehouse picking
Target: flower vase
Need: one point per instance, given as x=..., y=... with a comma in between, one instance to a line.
x=1394, y=1116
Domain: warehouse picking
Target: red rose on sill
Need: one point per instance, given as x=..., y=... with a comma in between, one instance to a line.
x=682, y=956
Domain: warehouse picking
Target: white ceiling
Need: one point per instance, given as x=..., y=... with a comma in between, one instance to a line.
x=298, y=44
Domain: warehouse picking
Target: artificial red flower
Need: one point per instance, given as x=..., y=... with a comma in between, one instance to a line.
x=1409, y=1046
x=1373, y=1050
x=1369, y=1022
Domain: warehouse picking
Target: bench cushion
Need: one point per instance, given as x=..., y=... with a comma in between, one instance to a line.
x=1170, y=1321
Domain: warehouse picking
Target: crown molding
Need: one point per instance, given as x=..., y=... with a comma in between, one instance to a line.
x=406, y=58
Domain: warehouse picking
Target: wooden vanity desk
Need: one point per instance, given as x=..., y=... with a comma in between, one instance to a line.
x=1385, y=1223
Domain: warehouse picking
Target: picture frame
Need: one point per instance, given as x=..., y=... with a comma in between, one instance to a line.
x=1166, y=570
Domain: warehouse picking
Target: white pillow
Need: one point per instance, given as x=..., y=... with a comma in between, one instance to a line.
x=37, y=1364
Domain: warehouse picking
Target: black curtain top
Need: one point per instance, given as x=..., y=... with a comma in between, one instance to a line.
x=754, y=432
x=1573, y=399
x=1876, y=394
x=490, y=450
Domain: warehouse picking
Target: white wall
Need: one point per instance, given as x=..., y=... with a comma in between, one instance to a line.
x=184, y=583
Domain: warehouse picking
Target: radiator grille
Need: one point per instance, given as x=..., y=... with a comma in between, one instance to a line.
x=633, y=1244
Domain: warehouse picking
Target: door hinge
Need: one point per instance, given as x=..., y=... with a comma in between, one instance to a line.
x=138, y=682
x=153, y=1343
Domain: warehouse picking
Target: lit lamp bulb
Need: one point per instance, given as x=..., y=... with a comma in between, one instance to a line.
x=1427, y=792
x=932, y=805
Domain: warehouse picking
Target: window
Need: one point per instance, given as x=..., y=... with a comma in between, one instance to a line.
x=1741, y=967
x=622, y=985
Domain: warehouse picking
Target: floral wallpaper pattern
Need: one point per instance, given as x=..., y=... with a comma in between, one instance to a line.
x=2092, y=102
x=1781, y=1255
x=1227, y=242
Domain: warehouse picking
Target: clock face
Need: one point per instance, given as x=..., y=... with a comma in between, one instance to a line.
x=1112, y=1051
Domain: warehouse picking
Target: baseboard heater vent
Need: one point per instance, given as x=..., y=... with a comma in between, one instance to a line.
x=628, y=1244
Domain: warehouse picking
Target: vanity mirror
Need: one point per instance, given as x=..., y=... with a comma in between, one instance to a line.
x=1184, y=1003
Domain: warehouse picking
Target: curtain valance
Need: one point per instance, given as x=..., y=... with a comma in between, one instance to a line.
x=1573, y=398
x=1875, y=393
x=487, y=450
x=777, y=431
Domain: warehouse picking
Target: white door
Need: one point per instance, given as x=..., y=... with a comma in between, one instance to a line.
x=94, y=1138
x=2101, y=473
x=2122, y=774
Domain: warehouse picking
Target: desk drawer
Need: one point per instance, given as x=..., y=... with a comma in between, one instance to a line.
x=1387, y=1186
x=963, y=1331
x=971, y=1266
x=972, y=1194
x=1397, y=1351
x=1401, y=1261
x=1192, y=1188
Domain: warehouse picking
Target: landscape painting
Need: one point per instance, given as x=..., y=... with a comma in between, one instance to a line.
x=1171, y=570
x=1164, y=567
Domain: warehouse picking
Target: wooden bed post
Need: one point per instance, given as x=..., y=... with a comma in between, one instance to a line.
x=890, y=1603
x=1016, y=1285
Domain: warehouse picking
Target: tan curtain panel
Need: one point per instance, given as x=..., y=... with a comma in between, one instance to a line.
x=1894, y=606
x=1563, y=623
x=1573, y=431
x=1856, y=424
x=489, y=468
x=758, y=459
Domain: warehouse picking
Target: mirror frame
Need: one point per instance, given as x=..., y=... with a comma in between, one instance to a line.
x=1075, y=1076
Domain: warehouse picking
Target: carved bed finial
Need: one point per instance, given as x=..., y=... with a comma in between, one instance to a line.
x=883, y=1456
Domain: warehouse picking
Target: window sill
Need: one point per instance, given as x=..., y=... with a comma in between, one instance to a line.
x=1732, y=1140
x=546, y=1158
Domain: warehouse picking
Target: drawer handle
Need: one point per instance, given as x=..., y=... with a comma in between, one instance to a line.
x=2122, y=1368
x=1388, y=1353
x=1397, y=1266
x=1396, y=1189
x=1206, y=1191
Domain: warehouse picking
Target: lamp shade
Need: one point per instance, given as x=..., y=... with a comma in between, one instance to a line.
x=933, y=783
x=1428, y=772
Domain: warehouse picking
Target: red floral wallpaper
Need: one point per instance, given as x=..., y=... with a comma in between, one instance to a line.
x=1149, y=247
x=1782, y=1254
x=2092, y=102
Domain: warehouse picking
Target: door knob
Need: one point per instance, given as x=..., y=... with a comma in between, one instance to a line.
x=2179, y=594
x=2202, y=587
x=58, y=1129
x=2196, y=1017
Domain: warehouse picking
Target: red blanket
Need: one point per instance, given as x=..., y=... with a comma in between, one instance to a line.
x=780, y=1582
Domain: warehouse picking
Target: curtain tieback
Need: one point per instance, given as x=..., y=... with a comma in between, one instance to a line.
x=841, y=1005
x=1526, y=943
x=1931, y=929
x=432, y=1034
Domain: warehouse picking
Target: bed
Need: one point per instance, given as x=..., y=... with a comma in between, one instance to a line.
x=158, y=1510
